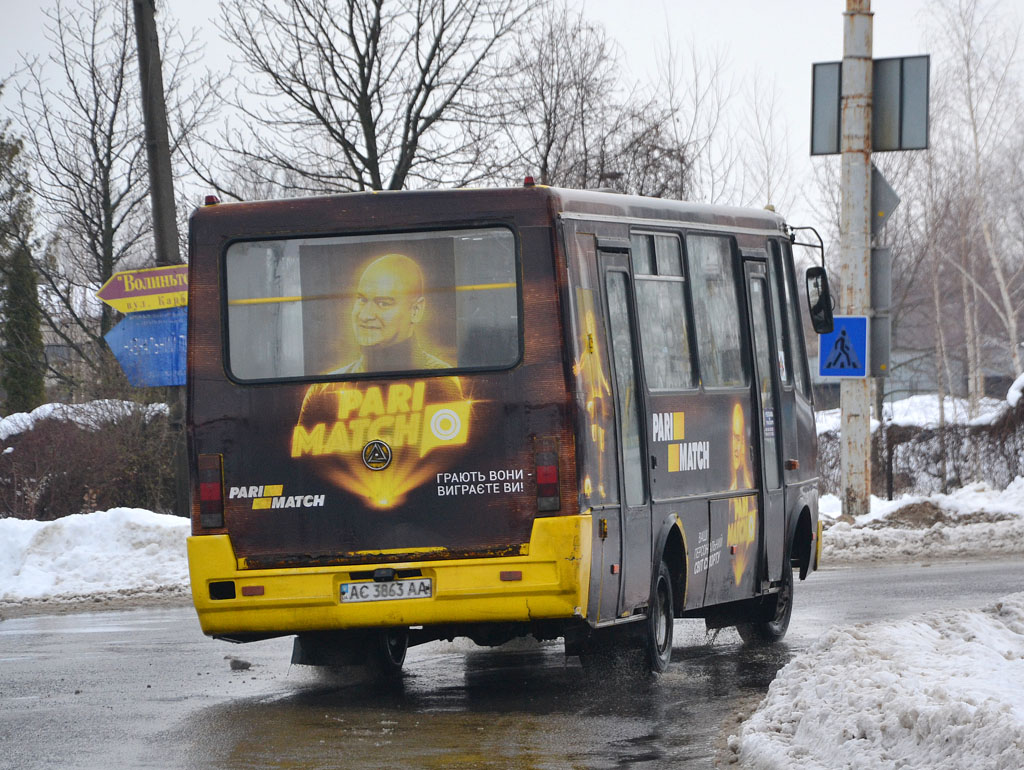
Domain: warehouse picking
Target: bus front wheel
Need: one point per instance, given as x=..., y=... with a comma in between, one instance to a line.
x=660, y=622
x=777, y=612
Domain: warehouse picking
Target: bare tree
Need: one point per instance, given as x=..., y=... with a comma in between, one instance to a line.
x=982, y=93
x=702, y=161
x=361, y=94
x=559, y=106
x=577, y=123
x=767, y=161
x=80, y=115
x=84, y=141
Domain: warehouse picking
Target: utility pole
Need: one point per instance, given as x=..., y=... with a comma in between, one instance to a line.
x=855, y=244
x=158, y=152
x=165, y=223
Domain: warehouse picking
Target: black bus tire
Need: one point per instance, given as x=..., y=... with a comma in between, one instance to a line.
x=777, y=613
x=660, y=622
x=387, y=650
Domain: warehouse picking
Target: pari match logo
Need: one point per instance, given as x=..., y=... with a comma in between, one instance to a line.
x=372, y=440
x=339, y=419
x=682, y=455
x=268, y=496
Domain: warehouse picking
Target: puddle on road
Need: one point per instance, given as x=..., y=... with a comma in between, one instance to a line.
x=528, y=708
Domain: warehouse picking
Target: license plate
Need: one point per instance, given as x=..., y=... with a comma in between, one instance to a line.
x=420, y=588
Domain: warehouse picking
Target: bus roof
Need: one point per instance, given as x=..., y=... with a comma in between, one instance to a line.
x=597, y=203
x=583, y=204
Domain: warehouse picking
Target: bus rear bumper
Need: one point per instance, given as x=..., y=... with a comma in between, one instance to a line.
x=549, y=583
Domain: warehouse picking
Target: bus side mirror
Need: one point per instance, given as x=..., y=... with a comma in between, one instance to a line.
x=819, y=300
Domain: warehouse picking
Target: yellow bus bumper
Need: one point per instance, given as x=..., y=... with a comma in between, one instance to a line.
x=554, y=584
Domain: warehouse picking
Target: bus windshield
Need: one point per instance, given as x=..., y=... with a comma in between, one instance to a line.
x=398, y=303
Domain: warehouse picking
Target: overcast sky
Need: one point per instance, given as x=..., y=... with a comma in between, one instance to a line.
x=777, y=39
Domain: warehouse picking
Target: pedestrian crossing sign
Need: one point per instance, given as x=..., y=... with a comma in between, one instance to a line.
x=843, y=352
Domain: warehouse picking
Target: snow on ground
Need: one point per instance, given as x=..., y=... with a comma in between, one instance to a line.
x=120, y=552
x=970, y=521
x=943, y=691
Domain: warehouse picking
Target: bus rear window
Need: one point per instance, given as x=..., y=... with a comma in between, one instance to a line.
x=354, y=305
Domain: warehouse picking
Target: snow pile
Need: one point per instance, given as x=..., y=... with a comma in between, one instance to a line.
x=1014, y=393
x=91, y=416
x=944, y=690
x=923, y=411
x=123, y=551
x=971, y=521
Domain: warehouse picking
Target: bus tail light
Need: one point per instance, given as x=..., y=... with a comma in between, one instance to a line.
x=211, y=492
x=546, y=462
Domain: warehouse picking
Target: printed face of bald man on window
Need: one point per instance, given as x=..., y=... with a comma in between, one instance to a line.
x=389, y=305
x=389, y=301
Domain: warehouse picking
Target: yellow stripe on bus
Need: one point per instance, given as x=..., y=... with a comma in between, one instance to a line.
x=300, y=298
x=484, y=286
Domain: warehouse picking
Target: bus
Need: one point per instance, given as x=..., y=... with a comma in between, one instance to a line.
x=493, y=413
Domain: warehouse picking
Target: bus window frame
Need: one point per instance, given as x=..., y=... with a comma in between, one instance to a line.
x=743, y=318
x=517, y=250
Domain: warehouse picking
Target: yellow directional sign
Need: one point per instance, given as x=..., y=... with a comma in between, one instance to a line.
x=153, y=288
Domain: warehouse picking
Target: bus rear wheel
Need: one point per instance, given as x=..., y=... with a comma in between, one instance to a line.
x=387, y=650
x=660, y=622
x=777, y=612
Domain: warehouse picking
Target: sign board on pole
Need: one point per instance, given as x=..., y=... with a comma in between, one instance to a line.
x=899, y=117
x=826, y=80
x=153, y=288
x=150, y=346
x=843, y=352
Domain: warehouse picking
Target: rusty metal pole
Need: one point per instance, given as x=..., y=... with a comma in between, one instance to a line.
x=855, y=245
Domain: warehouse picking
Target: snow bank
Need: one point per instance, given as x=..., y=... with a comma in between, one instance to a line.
x=115, y=552
x=1014, y=393
x=923, y=412
x=92, y=415
x=976, y=519
x=942, y=690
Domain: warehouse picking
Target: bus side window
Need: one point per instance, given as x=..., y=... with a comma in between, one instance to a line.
x=716, y=311
x=642, y=247
x=664, y=315
x=668, y=255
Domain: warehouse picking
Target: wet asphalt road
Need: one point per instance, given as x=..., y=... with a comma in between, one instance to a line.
x=145, y=689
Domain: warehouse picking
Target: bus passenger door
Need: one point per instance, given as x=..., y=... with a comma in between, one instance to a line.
x=773, y=518
x=635, y=509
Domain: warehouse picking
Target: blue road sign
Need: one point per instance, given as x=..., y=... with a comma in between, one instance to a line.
x=150, y=346
x=843, y=352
